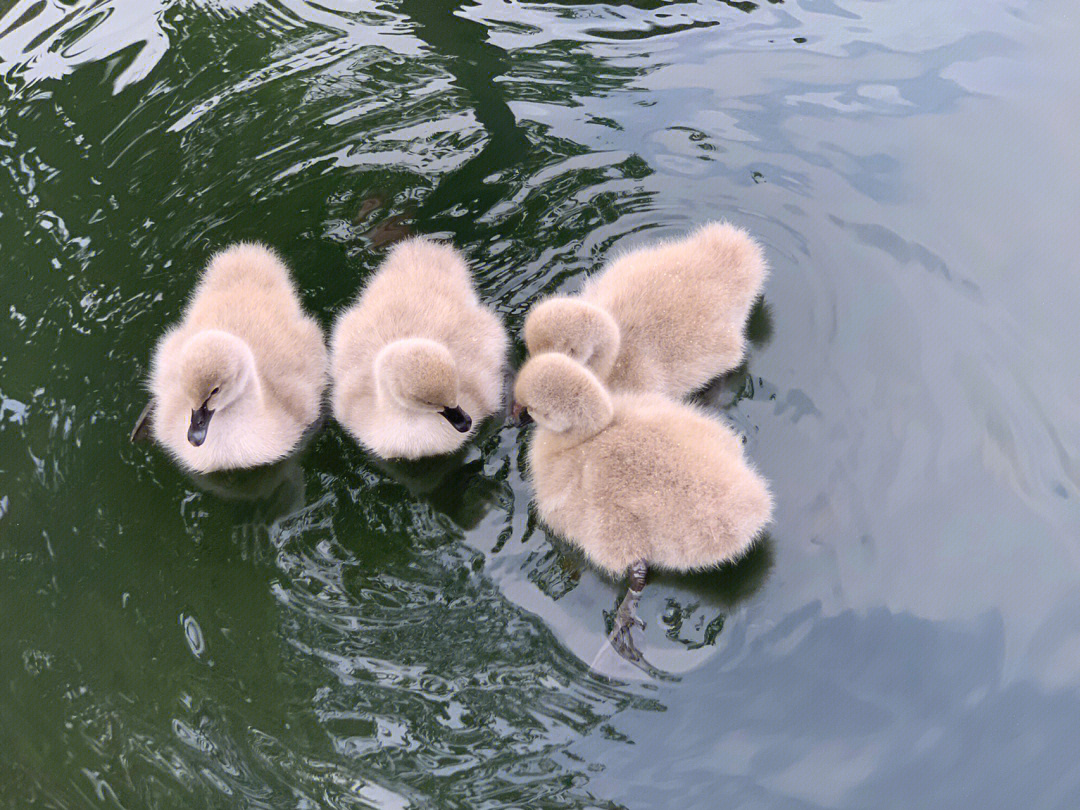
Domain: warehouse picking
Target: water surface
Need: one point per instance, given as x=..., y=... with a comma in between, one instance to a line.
x=335, y=632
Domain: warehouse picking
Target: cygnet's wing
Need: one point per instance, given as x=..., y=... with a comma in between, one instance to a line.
x=141, y=431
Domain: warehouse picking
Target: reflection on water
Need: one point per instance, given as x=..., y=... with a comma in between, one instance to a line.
x=276, y=491
x=889, y=706
x=339, y=632
x=456, y=485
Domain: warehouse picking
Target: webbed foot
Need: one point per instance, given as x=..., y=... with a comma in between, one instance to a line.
x=141, y=431
x=622, y=633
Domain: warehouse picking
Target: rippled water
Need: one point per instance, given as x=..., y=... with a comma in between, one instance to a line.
x=333, y=632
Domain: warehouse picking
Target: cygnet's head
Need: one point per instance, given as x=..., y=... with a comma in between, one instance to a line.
x=575, y=328
x=420, y=375
x=562, y=396
x=215, y=369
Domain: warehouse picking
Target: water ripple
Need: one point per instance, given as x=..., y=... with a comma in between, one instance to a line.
x=356, y=634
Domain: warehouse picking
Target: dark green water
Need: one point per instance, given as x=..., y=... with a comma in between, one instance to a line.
x=332, y=633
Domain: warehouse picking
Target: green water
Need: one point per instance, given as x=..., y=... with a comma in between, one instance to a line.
x=337, y=633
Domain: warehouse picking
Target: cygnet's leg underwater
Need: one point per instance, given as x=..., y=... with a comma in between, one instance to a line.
x=626, y=618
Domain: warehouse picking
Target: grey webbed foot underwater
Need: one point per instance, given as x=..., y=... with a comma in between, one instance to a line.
x=622, y=633
x=621, y=638
x=141, y=431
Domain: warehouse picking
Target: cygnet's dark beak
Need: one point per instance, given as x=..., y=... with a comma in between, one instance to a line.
x=458, y=418
x=520, y=414
x=200, y=421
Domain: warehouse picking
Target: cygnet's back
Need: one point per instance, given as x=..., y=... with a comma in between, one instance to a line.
x=422, y=289
x=681, y=307
x=662, y=483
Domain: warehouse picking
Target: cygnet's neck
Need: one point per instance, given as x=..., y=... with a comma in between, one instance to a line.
x=587, y=409
x=589, y=427
x=247, y=400
x=604, y=341
x=404, y=361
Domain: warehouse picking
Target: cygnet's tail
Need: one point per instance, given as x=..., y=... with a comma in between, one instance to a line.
x=748, y=510
x=738, y=257
x=247, y=265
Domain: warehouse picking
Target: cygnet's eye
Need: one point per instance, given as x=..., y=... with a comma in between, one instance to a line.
x=214, y=392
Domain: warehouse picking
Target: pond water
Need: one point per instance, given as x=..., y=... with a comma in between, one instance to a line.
x=333, y=632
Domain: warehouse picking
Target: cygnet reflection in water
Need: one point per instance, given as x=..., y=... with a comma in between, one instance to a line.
x=454, y=484
x=277, y=490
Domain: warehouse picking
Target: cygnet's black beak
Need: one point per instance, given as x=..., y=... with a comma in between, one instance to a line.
x=520, y=414
x=458, y=418
x=200, y=421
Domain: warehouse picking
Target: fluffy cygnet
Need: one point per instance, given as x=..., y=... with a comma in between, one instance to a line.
x=636, y=480
x=665, y=318
x=417, y=361
x=241, y=377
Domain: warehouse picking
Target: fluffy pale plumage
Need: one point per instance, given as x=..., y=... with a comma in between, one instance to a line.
x=245, y=334
x=636, y=477
x=416, y=341
x=665, y=318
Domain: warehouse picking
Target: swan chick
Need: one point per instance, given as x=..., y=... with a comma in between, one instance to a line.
x=417, y=361
x=636, y=480
x=240, y=378
x=666, y=317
